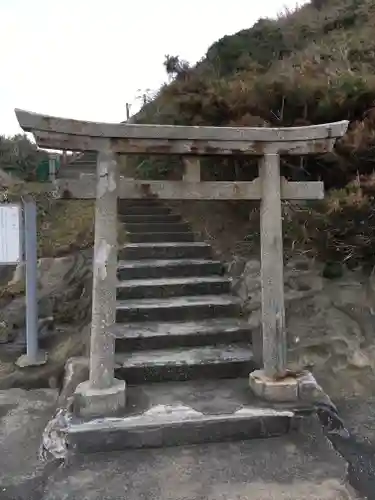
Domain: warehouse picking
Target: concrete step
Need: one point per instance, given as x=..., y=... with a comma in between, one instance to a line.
x=83, y=165
x=143, y=210
x=185, y=363
x=183, y=413
x=159, y=237
x=177, y=308
x=89, y=156
x=65, y=173
x=143, y=336
x=137, y=251
x=126, y=202
x=73, y=171
x=147, y=204
x=158, y=227
x=150, y=218
x=151, y=268
x=172, y=287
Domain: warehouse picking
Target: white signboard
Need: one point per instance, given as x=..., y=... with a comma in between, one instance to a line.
x=10, y=234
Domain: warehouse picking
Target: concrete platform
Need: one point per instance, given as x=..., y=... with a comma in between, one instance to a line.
x=168, y=414
x=294, y=466
x=23, y=416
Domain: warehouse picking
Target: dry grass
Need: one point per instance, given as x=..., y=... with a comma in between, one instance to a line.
x=66, y=226
x=341, y=228
x=12, y=290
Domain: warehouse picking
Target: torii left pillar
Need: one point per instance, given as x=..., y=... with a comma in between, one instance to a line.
x=102, y=394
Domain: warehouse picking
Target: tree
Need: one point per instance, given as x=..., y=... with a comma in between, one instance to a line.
x=175, y=67
x=20, y=156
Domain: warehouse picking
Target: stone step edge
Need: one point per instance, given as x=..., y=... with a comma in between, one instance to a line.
x=181, y=328
x=177, y=426
x=172, y=237
x=171, y=244
x=183, y=301
x=186, y=356
x=152, y=216
x=124, y=264
x=157, y=282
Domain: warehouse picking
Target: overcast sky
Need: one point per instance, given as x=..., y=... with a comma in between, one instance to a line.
x=86, y=58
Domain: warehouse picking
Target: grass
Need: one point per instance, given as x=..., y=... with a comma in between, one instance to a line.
x=66, y=226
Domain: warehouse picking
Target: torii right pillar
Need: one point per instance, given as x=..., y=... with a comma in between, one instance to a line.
x=274, y=382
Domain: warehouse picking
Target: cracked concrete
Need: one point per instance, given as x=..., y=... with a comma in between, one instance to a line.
x=299, y=465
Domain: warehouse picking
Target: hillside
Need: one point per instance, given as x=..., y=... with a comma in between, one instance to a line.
x=313, y=65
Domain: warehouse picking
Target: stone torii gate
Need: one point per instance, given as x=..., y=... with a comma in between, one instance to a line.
x=102, y=392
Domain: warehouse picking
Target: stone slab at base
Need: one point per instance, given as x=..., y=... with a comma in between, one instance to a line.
x=25, y=361
x=182, y=413
x=302, y=388
x=89, y=402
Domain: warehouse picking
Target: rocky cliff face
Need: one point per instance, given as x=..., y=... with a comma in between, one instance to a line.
x=64, y=312
x=330, y=323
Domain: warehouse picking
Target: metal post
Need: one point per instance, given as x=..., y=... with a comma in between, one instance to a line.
x=52, y=167
x=33, y=355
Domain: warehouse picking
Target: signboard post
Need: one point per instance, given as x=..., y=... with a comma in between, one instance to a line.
x=14, y=233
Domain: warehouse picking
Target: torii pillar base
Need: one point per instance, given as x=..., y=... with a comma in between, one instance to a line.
x=90, y=402
x=278, y=391
x=299, y=388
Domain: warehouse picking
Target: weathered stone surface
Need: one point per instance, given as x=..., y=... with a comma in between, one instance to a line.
x=167, y=268
x=330, y=324
x=61, y=282
x=178, y=308
x=284, y=390
x=172, y=287
x=92, y=402
x=300, y=388
x=292, y=466
x=182, y=413
x=63, y=333
x=210, y=361
x=23, y=415
x=152, y=335
x=76, y=372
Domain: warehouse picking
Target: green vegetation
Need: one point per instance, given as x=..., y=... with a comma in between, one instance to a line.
x=20, y=157
x=313, y=65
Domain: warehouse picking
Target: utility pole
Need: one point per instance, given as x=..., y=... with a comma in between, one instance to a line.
x=127, y=111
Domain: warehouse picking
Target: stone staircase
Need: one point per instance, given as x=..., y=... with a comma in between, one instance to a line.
x=176, y=316
x=84, y=164
x=181, y=345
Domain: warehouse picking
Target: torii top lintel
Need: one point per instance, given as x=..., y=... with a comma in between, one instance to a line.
x=62, y=133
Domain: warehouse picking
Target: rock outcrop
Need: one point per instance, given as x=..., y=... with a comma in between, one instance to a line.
x=330, y=323
x=64, y=312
